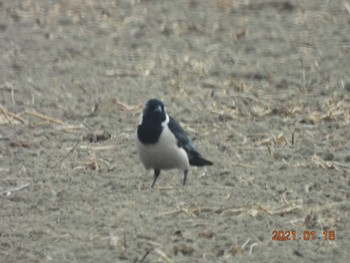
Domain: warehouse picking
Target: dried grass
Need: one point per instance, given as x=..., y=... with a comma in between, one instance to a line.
x=252, y=210
x=9, y=191
x=10, y=117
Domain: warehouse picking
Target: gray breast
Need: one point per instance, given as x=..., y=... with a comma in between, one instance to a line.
x=164, y=154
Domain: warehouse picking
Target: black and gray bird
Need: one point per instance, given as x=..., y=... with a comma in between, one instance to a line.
x=162, y=144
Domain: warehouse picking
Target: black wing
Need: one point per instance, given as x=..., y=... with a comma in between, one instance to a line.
x=186, y=143
x=183, y=140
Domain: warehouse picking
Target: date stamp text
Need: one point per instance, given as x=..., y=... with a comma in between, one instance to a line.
x=306, y=235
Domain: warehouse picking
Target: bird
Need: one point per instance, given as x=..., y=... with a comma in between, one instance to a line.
x=162, y=143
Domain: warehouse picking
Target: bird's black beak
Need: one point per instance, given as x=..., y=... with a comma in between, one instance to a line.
x=158, y=109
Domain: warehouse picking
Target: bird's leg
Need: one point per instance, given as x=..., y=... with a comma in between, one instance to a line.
x=156, y=175
x=185, y=176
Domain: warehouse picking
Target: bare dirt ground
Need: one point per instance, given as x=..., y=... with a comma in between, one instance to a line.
x=263, y=87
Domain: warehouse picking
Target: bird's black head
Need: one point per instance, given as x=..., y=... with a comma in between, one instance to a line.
x=154, y=111
x=150, y=127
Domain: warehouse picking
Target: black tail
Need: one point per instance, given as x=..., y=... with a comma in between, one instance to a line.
x=196, y=159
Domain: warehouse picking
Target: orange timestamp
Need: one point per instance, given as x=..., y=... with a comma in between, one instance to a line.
x=286, y=235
